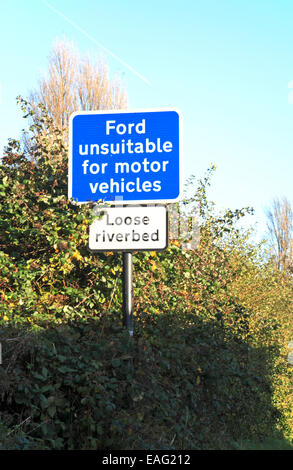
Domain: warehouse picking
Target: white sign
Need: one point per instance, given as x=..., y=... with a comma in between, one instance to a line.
x=130, y=228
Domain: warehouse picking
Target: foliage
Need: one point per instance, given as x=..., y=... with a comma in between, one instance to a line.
x=207, y=364
x=270, y=444
x=75, y=83
x=280, y=230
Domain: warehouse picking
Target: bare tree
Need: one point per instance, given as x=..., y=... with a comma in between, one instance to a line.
x=280, y=226
x=74, y=83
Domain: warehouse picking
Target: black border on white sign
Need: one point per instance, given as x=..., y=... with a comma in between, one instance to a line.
x=127, y=250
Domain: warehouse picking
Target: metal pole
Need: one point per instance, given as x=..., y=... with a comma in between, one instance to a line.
x=127, y=292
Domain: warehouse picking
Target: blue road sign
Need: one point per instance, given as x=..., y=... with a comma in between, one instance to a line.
x=125, y=157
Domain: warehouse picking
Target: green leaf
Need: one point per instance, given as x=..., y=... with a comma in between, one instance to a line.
x=116, y=362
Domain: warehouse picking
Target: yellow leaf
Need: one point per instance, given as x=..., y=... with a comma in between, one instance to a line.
x=5, y=318
x=76, y=255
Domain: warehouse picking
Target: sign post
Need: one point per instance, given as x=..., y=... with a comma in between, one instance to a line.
x=128, y=229
x=127, y=292
x=126, y=158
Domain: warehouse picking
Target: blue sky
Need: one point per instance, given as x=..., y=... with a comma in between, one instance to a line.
x=227, y=65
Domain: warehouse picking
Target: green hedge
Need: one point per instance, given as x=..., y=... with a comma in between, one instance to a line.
x=178, y=384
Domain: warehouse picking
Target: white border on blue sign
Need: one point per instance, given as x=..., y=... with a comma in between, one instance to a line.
x=128, y=111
